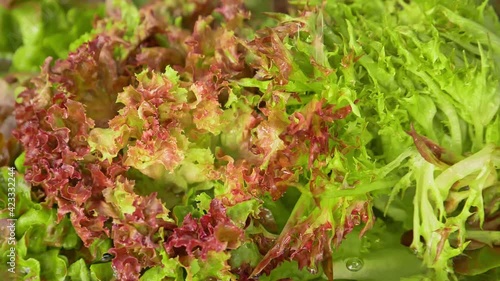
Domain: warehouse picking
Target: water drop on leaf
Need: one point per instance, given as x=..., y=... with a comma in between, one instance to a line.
x=25, y=270
x=354, y=264
x=312, y=270
x=106, y=257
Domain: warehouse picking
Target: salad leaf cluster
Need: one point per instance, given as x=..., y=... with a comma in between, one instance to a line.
x=34, y=30
x=190, y=140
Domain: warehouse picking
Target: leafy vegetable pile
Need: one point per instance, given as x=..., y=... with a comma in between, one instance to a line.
x=192, y=140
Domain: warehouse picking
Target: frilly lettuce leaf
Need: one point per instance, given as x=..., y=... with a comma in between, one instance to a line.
x=39, y=237
x=34, y=30
x=183, y=144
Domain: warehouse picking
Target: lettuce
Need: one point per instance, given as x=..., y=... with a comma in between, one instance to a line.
x=345, y=140
x=34, y=30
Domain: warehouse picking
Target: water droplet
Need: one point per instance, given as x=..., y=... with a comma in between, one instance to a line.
x=106, y=257
x=312, y=270
x=354, y=264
